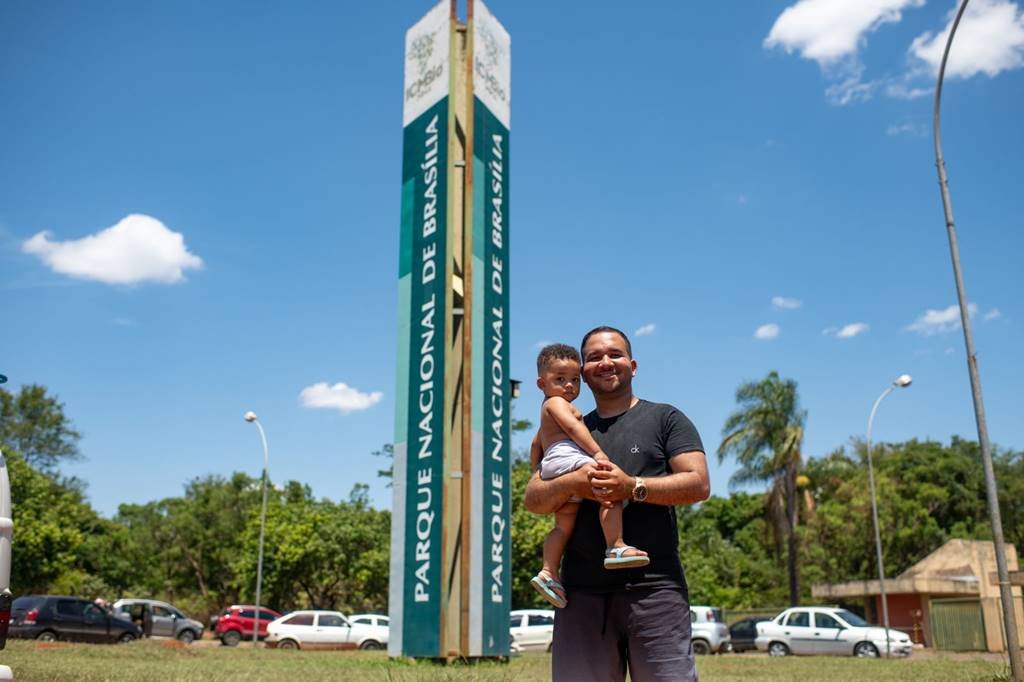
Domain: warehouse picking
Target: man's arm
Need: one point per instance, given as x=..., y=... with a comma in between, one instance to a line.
x=545, y=497
x=688, y=483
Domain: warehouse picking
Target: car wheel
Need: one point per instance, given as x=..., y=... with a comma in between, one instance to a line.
x=778, y=649
x=700, y=647
x=125, y=638
x=187, y=636
x=231, y=638
x=370, y=645
x=289, y=644
x=47, y=636
x=865, y=650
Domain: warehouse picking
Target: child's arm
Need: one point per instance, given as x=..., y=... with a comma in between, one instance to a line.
x=561, y=411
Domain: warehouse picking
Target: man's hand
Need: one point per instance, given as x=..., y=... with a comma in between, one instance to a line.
x=545, y=497
x=611, y=484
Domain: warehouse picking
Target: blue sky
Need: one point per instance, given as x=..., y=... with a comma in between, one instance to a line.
x=674, y=172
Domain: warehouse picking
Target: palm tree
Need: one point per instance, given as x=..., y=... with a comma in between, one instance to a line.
x=765, y=434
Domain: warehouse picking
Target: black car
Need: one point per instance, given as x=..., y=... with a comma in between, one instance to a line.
x=48, y=618
x=743, y=633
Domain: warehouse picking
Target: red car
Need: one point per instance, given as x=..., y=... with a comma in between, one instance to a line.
x=236, y=623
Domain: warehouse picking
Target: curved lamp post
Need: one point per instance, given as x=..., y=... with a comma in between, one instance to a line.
x=1005, y=591
x=251, y=417
x=902, y=381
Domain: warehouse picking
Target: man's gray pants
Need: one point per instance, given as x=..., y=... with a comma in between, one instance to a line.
x=599, y=636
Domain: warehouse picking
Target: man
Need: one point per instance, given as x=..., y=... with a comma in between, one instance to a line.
x=635, y=618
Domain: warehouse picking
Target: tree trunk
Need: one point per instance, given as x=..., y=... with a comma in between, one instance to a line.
x=791, y=511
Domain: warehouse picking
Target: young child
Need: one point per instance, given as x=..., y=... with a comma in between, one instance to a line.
x=567, y=445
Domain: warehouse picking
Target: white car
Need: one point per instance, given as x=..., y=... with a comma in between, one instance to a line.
x=323, y=630
x=708, y=631
x=531, y=629
x=829, y=631
x=369, y=619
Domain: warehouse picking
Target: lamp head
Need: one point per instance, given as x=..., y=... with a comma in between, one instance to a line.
x=903, y=380
x=250, y=416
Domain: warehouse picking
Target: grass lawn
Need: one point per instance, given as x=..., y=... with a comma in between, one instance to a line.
x=155, y=660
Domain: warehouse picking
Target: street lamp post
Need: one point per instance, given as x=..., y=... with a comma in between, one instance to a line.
x=1005, y=590
x=251, y=417
x=902, y=381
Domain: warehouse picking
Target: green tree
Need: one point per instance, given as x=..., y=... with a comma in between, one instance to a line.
x=726, y=551
x=33, y=424
x=765, y=435
x=528, y=532
x=51, y=522
x=318, y=553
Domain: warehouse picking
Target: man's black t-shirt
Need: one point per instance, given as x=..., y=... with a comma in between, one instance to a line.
x=640, y=441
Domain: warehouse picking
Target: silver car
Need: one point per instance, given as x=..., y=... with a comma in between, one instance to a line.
x=531, y=629
x=709, y=633
x=829, y=631
x=159, y=619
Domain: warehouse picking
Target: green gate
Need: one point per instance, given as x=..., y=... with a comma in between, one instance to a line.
x=957, y=625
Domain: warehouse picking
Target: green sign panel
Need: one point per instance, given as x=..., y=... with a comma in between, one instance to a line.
x=490, y=543
x=417, y=512
x=491, y=395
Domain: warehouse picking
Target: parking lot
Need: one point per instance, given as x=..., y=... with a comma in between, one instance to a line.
x=207, y=660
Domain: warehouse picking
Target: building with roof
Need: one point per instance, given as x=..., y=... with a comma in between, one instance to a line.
x=948, y=600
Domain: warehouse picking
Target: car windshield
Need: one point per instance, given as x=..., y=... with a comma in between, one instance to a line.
x=852, y=618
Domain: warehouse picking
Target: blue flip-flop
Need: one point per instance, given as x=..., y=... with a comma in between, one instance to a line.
x=543, y=584
x=613, y=558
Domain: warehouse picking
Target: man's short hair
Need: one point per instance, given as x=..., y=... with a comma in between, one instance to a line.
x=605, y=328
x=555, y=351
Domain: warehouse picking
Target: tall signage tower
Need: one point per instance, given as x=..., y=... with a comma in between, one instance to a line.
x=449, y=593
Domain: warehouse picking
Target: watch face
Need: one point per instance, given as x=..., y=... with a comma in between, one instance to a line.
x=640, y=492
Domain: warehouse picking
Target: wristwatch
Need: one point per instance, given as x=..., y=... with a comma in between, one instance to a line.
x=639, y=490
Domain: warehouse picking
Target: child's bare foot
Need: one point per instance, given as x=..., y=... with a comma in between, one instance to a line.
x=550, y=589
x=625, y=556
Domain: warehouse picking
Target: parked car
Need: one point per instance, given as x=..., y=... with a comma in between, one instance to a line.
x=531, y=629
x=324, y=630
x=159, y=619
x=709, y=633
x=369, y=619
x=238, y=622
x=831, y=631
x=742, y=634
x=49, y=618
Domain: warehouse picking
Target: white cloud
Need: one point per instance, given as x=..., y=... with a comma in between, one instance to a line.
x=341, y=397
x=767, y=331
x=989, y=40
x=902, y=89
x=939, y=321
x=124, y=322
x=783, y=303
x=137, y=249
x=829, y=31
x=912, y=129
x=542, y=344
x=851, y=330
x=850, y=86
x=645, y=330
x=993, y=314
x=742, y=200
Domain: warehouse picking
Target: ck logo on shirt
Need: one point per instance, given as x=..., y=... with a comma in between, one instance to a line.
x=635, y=449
